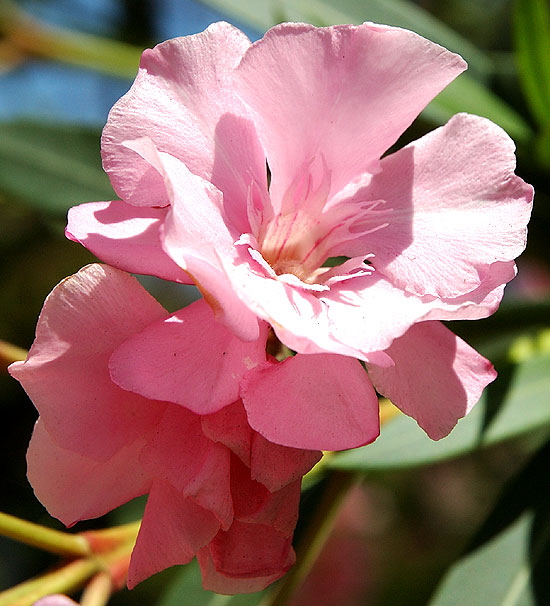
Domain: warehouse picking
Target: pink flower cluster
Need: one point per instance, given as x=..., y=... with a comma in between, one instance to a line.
x=217, y=489
x=258, y=172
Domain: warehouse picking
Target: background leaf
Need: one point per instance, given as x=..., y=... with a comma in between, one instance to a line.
x=508, y=560
x=532, y=39
x=524, y=408
x=52, y=166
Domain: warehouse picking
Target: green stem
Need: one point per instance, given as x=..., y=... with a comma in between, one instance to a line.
x=314, y=538
x=54, y=541
x=64, y=580
x=98, y=591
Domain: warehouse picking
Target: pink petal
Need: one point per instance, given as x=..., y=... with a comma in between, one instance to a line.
x=124, y=236
x=95, y=487
x=66, y=373
x=173, y=529
x=213, y=580
x=316, y=402
x=437, y=377
x=194, y=465
x=255, y=504
x=479, y=303
x=298, y=317
x=183, y=99
x=187, y=358
x=276, y=466
x=457, y=208
x=55, y=600
x=196, y=237
x=230, y=427
x=250, y=550
x=313, y=81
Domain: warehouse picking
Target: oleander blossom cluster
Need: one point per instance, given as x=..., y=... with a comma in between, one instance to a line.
x=261, y=173
x=216, y=489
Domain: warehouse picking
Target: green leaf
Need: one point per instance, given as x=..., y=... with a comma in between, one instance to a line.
x=186, y=590
x=51, y=167
x=466, y=94
x=523, y=408
x=508, y=561
x=532, y=40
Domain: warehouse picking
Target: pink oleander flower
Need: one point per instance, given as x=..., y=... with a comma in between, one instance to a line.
x=427, y=233
x=216, y=488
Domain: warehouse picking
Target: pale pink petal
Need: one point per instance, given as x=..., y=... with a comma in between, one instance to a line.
x=183, y=100
x=213, y=580
x=194, y=465
x=173, y=529
x=384, y=312
x=479, y=303
x=316, y=402
x=55, y=600
x=187, y=358
x=196, y=237
x=124, y=236
x=73, y=487
x=457, y=209
x=276, y=466
x=343, y=94
x=83, y=320
x=437, y=377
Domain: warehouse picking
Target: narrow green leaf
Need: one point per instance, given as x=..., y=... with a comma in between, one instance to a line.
x=51, y=167
x=403, y=444
x=508, y=559
x=532, y=40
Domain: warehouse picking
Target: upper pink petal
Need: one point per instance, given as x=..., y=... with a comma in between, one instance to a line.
x=454, y=207
x=196, y=236
x=187, y=358
x=437, y=377
x=66, y=373
x=183, y=100
x=124, y=236
x=316, y=402
x=343, y=94
x=173, y=529
x=95, y=487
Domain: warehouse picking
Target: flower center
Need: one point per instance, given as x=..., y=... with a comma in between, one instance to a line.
x=292, y=244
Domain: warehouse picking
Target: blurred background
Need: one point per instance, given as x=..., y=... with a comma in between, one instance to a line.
x=425, y=519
